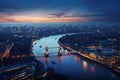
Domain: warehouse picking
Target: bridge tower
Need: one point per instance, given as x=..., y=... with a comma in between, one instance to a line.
x=46, y=51
x=60, y=51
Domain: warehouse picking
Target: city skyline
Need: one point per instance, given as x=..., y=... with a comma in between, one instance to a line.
x=59, y=11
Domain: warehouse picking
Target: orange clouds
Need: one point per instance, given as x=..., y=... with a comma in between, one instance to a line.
x=41, y=19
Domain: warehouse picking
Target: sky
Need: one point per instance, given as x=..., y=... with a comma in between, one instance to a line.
x=60, y=11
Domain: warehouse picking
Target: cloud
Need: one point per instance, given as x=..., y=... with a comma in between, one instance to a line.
x=7, y=19
x=17, y=6
x=96, y=10
x=62, y=14
x=99, y=17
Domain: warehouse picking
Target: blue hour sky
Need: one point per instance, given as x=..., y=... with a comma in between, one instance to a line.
x=60, y=11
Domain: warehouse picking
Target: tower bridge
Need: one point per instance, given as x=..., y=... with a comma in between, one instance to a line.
x=47, y=50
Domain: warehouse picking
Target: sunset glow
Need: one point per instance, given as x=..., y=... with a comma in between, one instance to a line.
x=41, y=19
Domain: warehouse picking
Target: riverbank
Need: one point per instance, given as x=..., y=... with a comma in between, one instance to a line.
x=110, y=67
x=100, y=62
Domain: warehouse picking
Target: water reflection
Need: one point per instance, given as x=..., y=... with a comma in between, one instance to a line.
x=76, y=58
x=60, y=59
x=46, y=60
x=92, y=68
x=85, y=65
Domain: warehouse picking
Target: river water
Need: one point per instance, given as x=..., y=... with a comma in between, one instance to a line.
x=71, y=65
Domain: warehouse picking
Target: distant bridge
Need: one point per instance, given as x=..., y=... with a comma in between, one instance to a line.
x=47, y=48
x=52, y=47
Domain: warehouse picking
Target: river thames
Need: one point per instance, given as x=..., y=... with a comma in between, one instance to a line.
x=71, y=65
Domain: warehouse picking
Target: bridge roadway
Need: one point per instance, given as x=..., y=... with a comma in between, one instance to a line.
x=52, y=47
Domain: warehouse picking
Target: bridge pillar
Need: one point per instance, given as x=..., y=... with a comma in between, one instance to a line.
x=60, y=51
x=46, y=51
